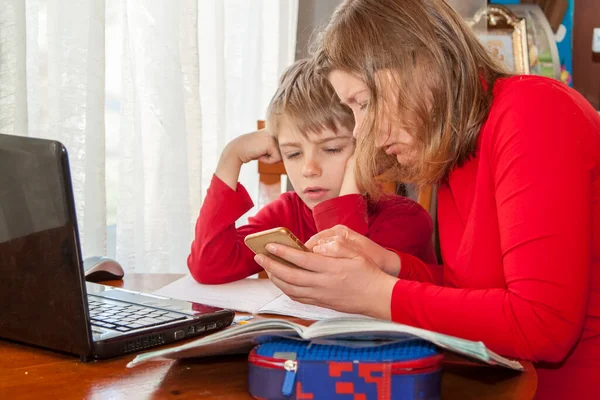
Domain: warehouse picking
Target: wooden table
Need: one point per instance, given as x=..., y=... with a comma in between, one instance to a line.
x=30, y=373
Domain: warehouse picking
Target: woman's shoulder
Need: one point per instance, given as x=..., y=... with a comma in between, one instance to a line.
x=537, y=95
x=523, y=102
x=535, y=113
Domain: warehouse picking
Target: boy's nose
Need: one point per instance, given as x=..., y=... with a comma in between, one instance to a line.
x=311, y=168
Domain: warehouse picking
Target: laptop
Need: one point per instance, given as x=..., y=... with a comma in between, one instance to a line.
x=44, y=299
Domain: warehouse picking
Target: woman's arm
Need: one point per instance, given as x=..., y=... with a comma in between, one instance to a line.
x=542, y=183
x=546, y=236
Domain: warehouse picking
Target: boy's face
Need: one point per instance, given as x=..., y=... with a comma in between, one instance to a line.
x=315, y=163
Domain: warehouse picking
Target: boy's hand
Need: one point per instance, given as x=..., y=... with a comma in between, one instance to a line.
x=349, y=185
x=330, y=241
x=258, y=145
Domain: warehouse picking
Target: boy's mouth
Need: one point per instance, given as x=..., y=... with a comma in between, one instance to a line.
x=315, y=193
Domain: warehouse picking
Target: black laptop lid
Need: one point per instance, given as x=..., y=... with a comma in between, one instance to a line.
x=42, y=290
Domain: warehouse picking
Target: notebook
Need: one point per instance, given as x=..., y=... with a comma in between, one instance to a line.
x=255, y=296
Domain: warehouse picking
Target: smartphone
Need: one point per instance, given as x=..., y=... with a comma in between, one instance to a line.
x=258, y=241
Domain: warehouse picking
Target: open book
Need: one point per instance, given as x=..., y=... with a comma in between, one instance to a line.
x=256, y=296
x=346, y=331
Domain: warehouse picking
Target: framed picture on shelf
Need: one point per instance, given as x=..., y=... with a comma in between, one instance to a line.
x=504, y=35
x=541, y=42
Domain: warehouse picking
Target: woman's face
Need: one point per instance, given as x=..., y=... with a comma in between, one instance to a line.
x=353, y=92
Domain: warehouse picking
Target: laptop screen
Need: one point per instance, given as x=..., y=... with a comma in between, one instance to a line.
x=31, y=192
x=41, y=278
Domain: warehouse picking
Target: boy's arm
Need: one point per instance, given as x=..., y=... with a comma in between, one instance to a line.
x=218, y=252
x=348, y=209
x=397, y=224
x=403, y=226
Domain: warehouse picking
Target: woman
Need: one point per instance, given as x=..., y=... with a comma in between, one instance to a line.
x=516, y=160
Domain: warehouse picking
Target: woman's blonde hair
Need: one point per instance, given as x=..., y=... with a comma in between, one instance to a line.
x=307, y=101
x=443, y=76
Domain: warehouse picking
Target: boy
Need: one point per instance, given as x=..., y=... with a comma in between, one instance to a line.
x=312, y=132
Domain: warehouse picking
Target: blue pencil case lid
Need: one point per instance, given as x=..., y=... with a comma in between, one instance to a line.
x=284, y=368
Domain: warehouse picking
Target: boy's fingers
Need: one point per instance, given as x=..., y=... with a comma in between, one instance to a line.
x=270, y=158
x=337, y=248
x=338, y=230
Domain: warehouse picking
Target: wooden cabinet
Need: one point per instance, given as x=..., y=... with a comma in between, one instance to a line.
x=586, y=64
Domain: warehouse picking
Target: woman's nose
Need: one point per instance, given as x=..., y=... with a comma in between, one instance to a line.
x=356, y=131
x=358, y=122
x=383, y=136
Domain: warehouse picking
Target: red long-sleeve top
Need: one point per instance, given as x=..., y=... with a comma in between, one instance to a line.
x=219, y=254
x=519, y=227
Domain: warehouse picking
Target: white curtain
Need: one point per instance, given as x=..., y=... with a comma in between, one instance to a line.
x=190, y=76
x=159, y=173
x=52, y=86
x=195, y=75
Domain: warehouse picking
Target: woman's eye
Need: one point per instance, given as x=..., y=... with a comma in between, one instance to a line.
x=291, y=156
x=362, y=106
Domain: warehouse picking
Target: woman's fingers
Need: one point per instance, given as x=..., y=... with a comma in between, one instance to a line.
x=297, y=293
x=303, y=259
x=290, y=274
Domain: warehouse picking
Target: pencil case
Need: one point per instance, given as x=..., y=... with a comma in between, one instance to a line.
x=284, y=368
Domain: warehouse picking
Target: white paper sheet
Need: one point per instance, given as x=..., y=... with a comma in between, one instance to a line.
x=247, y=295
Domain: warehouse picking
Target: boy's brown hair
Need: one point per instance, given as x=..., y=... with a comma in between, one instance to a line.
x=442, y=77
x=307, y=101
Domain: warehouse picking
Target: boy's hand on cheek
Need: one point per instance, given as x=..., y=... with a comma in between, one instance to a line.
x=349, y=185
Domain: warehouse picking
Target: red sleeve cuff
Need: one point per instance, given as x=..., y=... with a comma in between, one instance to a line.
x=238, y=201
x=413, y=269
x=402, y=301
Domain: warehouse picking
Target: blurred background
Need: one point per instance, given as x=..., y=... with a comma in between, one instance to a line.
x=145, y=94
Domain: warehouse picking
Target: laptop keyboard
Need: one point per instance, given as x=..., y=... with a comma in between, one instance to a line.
x=124, y=317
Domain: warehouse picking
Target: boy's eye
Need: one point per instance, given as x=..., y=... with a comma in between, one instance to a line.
x=334, y=150
x=292, y=155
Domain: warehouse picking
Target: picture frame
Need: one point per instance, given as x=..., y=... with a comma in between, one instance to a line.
x=504, y=34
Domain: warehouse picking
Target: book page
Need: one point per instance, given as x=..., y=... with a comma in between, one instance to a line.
x=237, y=339
x=354, y=328
x=247, y=295
x=283, y=305
x=347, y=331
